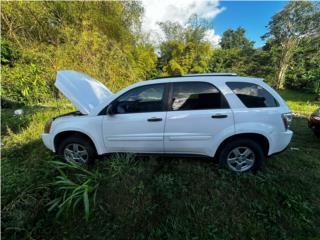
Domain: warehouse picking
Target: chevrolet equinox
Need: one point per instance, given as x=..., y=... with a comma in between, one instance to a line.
x=238, y=120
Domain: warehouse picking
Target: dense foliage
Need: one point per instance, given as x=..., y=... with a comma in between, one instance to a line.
x=99, y=38
x=104, y=39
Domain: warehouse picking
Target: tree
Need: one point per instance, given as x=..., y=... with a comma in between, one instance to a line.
x=193, y=32
x=185, y=49
x=287, y=28
x=235, y=39
x=172, y=30
x=236, y=54
x=304, y=70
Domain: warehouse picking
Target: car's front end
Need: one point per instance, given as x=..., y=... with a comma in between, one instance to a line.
x=47, y=136
x=87, y=95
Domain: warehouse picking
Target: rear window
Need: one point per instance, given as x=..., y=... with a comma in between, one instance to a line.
x=252, y=95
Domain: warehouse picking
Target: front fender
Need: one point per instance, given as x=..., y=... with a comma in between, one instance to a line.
x=90, y=126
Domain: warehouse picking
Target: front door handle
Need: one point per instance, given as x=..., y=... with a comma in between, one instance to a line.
x=154, y=119
x=219, y=116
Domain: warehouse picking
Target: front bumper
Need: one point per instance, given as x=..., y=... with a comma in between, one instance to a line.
x=48, y=141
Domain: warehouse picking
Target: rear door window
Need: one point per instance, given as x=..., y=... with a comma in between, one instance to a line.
x=252, y=95
x=196, y=96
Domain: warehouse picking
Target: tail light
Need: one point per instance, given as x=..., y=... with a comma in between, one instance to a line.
x=287, y=119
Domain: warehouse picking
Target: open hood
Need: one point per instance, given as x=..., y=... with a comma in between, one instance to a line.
x=82, y=91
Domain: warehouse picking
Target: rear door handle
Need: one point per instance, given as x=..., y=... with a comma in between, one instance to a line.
x=154, y=119
x=219, y=116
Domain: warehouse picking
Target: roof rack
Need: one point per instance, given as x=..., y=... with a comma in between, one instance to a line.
x=198, y=75
x=210, y=74
x=173, y=76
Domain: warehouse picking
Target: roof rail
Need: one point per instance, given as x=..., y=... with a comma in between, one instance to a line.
x=210, y=74
x=173, y=76
x=198, y=75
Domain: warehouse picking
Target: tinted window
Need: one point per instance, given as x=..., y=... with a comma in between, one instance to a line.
x=196, y=96
x=252, y=95
x=142, y=99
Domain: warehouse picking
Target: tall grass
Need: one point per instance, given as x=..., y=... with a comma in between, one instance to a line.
x=75, y=184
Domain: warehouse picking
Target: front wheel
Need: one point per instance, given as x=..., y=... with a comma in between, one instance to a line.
x=242, y=155
x=77, y=149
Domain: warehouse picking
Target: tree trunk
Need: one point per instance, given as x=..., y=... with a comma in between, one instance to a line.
x=282, y=75
x=286, y=55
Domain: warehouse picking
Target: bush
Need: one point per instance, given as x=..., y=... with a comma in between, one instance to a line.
x=8, y=53
x=26, y=83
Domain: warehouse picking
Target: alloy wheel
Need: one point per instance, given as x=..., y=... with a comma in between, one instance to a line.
x=241, y=159
x=75, y=152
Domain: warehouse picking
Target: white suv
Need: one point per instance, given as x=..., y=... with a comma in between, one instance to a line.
x=240, y=120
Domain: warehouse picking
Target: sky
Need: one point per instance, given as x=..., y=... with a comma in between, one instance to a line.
x=252, y=15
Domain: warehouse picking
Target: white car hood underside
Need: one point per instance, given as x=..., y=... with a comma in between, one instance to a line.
x=83, y=91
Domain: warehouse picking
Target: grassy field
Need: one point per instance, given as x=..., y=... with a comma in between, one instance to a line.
x=126, y=197
x=301, y=102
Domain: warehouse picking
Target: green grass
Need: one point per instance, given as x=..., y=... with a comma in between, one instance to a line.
x=300, y=102
x=156, y=198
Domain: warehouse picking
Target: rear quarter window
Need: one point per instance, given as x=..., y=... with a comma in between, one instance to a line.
x=252, y=95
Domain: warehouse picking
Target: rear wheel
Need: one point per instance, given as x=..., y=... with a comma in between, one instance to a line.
x=242, y=155
x=77, y=149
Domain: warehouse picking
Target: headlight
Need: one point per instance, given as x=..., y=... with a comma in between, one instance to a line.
x=47, y=127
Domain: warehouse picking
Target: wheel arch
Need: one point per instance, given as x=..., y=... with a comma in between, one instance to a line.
x=261, y=139
x=65, y=134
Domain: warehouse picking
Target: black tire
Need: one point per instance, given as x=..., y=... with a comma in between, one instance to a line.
x=85, y=143
x=259, y=155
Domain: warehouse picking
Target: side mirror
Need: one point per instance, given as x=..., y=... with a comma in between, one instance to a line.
x=110, y=110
